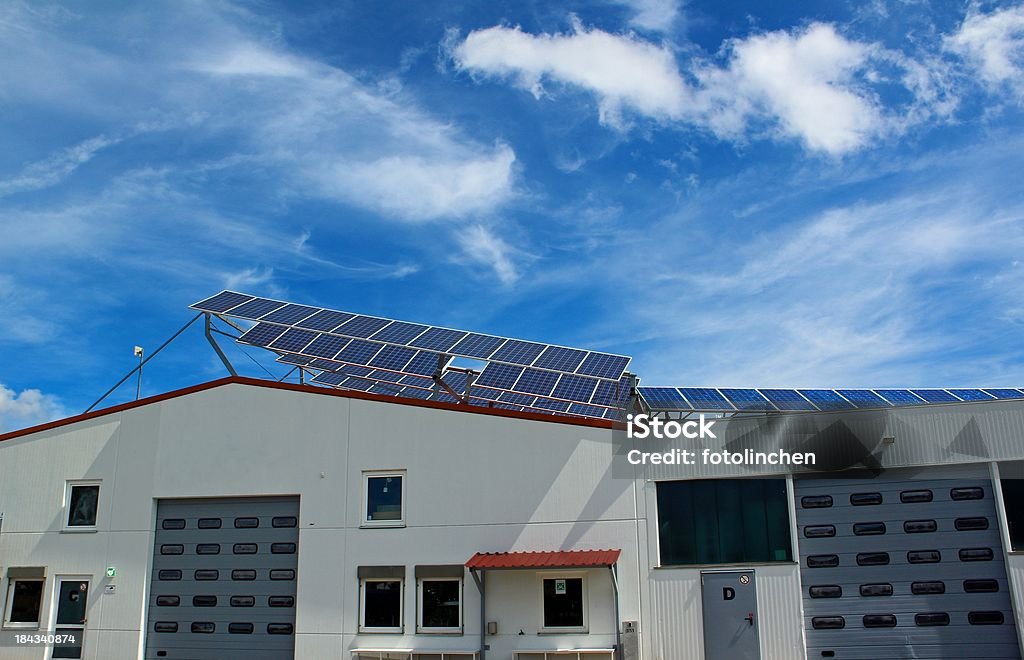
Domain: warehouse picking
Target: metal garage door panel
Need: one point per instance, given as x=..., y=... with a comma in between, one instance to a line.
x=221, y=566
x=942, y=524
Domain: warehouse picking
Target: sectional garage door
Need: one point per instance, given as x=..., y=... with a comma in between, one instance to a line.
x=896, y=568
x=223, y=581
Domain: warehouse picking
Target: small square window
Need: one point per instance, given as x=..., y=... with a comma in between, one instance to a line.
x=82, y=505
x=440, y=601
x=384, y=498
x=380, y=605
x=563, y=604
x=24, y=602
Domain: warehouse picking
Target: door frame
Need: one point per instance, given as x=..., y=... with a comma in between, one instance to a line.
x=757, y=612
x=55, y=603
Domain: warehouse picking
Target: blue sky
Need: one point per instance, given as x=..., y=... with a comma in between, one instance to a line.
x=735, y=194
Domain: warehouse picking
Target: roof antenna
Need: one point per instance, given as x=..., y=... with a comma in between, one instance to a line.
x=138, y=385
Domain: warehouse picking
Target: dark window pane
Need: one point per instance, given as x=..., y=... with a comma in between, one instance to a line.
x=563, y=602
x=881, y=589
x=243, y=574
x=282, y=574
x=920, y=526
x=169, y=574
x=204, y=627
x=826, y=591
x=865, y=499
x=208, y=549
x=279, y=628
x=384, y=498
x=243, y=601
x=966, y=493
x=932, y=619
x=868, y=528
x=172, y=549
x=168, y=601
x=981, y=586
x=822, y=561
x=828, y=622
x=924, y=556
x=206, y=574
x=26, y=598
x=985, y=618
x=872, y=558
x=82, y=508
x=1013, y=502
x=382, y=604
x=281, y=601
x=927, y=588
x=879, y=621
x=240, y=628
x=173, y=523
x=976, y=554
x=209, y=523
x=913, y=496
x=282, y=548
x=819, y=531
x=244, y=549
x=247, y=523
x=970, y=524
x=441, y=603
x=165, y=627
x=816, y=501
x=284, y=521
x=204, y=601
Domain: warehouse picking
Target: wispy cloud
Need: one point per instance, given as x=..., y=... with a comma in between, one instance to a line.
x=53, y=170
x=481, y=246
x=993, y=44
x=27, y=408
x=653, y=15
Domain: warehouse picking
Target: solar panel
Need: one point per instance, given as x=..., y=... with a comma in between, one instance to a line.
x=385, y=388
x=256, y=308
x=262, y=334
x=290, y=314
x=222, y=302
x=515, y=398
x=456, y=380
x=534, y=381
x=361, y=326
x=1004, y=393
x=610, y=393
x=660, y=398
x=417, y=381
x=357, y=383
x=827, y=400
x=499, y=376
x=326, y=346
x=293, y=340
x=585, y=410
x=388, y=376
x=392, y=357
x=355, y=370
x=864, y=398
x=560, y=359
x=603, y=365
x=575, y=388
x=705, y=398
x=971, y=395
x=329, y=378
x=325, y=320
x=787, y=400
x=358, y=351
x=552, y=405
x=746, y=399
x=900, y=397
x=416, y=393
x=326, y=365
x=518, y=352
x=935, y=396
x=399, y=332
x=477, y=346
x=292, y=358
x=487, y=394
x=438, y=339
x=425, y=364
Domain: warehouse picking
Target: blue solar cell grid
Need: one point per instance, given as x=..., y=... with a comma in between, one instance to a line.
x=325, y=320
x=746, y=399
x=659, y=398
x=501, y=376
x=613, y=413
x=971, y=395
x=438, y=339
x=560, y=359
x=477, y=346
x=388, y=376
x=900, y=397
x=399, y=332
x=575, y=388
x=326, y=346
x=256, y=308
x=417, y=381
x=392, y=357
x=262, y=334
x=603, y=365
x=586, y=410
x=355, y=370
x=222, y=302
x=326, y=365
x=705, y=398
x=486, y=394
x=416, y=393
x=423, y=364
x=293, y=341
x=935, y=396
x=358, y=351
x=516, y=398
x=827, y=400
x=356, y=383
x=292, y=358
x=534, y=381
x=1004, y=393
x=385, y=388
x=549, y=404
x=518, y=352
x=361, y=326
x=787, y=400
x=330, y=378
x=289, y=314
x=864, y=398
x=456, y=380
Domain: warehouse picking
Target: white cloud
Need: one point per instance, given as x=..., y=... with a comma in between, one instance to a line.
x=27, y=408
x=993, y=44
x=481, y=246
x=653, y=15
x=53, y=170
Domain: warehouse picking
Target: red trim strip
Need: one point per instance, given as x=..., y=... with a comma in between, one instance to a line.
x=295, y=387
x=543, y=559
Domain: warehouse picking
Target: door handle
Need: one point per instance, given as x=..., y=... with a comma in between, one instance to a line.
x=750, y=618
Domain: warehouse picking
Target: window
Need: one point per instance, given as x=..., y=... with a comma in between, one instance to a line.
x=384, y=497
x=381, y=604
x=723, y=521
x=440, y=601
x=1013, y=502
x=563, y=604
x=24, y=602
x=82, y=503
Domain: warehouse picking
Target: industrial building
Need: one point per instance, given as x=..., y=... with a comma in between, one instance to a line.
x=424, y=493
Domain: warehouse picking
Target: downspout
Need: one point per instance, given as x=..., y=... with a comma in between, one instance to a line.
x=479, y=579
x=618, y=624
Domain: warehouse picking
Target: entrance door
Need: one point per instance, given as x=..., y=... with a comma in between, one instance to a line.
x=730, y=616
x=72, y=596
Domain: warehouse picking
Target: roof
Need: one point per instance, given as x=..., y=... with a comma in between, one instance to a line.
x=549, y=559
x=311, y=389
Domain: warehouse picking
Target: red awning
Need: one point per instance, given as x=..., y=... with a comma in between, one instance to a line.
x=553, y=559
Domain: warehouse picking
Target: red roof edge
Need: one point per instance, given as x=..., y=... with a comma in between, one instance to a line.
x=312, y=389
x=543, y=559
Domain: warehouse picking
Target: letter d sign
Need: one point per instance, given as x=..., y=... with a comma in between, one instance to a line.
x=728, y=593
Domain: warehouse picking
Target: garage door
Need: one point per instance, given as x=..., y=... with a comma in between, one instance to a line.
x=896, y=568
x=223, y=581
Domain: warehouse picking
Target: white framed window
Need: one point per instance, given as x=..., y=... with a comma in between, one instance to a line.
x=81, y=505
x=24, y=603
x=381, y=604
x=439, y=605
x=563, y=602
x=384, y=498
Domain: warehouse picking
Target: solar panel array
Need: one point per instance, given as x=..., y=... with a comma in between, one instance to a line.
x=710, y=399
